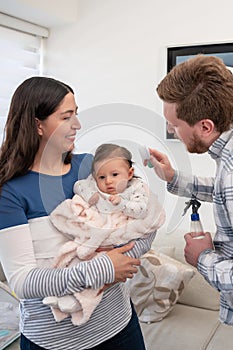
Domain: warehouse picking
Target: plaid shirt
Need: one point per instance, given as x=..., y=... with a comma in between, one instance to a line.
x=216, y=265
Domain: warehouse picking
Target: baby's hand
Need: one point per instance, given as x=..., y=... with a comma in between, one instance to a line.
x=115, y=199
x=94, y=199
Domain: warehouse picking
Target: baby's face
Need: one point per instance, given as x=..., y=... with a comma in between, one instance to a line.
x=112, y=175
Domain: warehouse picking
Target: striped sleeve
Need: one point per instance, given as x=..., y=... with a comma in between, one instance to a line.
x=87, y=274
x=225, y=198
x=216, y=269
x=186, y=186
x=142, y=245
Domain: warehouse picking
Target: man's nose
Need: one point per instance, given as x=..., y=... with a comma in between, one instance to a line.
x=170, y=129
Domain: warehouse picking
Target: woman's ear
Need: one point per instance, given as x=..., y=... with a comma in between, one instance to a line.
x=131, y=173
x=39, y=127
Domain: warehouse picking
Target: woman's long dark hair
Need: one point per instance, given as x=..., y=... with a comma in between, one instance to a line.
x=36, y=97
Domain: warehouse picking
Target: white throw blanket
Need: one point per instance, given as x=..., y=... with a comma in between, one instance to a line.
x=90, y=229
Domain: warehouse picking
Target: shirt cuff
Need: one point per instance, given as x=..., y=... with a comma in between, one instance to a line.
x=201, y=263
x=173, y=183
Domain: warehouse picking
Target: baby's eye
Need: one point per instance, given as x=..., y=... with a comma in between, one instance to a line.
x=101, y=177
x=114, y=174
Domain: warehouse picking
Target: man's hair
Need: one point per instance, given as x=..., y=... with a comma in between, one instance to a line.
x=202, y=88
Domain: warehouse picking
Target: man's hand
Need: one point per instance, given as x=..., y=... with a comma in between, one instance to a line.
x=124, y=266
x=194, y=247
x=162, y=165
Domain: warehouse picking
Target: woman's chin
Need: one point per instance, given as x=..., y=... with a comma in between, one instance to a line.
x=70, y=148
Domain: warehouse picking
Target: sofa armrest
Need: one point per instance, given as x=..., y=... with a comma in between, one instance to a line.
x=2, y=275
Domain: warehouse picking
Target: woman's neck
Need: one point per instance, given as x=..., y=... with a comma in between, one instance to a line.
x=50, y=165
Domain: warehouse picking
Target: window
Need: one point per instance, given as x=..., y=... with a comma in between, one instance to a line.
x=21, y=47
x=179, y=54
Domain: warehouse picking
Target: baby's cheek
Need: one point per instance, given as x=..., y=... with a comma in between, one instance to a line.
x=121, y=186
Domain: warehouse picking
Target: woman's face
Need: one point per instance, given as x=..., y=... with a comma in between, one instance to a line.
x=58, y=131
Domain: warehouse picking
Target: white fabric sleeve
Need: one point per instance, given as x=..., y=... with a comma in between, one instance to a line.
x=135, y=199
x=28, y=281
x=17, y=256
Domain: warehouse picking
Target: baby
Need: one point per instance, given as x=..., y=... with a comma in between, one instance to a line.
x=111, y=207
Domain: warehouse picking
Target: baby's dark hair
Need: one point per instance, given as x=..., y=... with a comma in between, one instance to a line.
x=110, y=150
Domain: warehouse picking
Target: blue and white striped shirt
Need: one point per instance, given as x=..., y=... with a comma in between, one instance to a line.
x=216, y=265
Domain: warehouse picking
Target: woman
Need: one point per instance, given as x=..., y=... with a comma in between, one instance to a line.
x=37, y=172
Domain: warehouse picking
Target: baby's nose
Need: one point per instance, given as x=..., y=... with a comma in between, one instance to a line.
x=108, y=179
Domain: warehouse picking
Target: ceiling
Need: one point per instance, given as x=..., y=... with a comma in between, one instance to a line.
x=42, y=12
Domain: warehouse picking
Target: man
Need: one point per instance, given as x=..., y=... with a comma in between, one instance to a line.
x=197, y=98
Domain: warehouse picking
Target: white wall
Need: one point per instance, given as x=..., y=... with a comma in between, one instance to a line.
x=114, y=55
x=116, y=52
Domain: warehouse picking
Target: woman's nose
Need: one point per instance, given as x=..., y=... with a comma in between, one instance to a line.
x=76, y=123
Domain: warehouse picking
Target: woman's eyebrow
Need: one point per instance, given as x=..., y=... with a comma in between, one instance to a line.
x=70, y=111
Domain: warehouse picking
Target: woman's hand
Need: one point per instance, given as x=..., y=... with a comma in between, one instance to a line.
x=124, y=266
x=104, y=248
x=162, y=165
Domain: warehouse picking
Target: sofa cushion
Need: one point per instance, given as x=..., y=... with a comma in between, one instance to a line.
x=2, y=276
x=222, y=338
x=185, y=327
x=156, y=287
x=198, y=292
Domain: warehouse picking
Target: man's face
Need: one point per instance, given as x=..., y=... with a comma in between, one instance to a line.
x=189, y=135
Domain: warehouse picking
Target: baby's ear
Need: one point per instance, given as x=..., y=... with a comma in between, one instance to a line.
x=131, y=173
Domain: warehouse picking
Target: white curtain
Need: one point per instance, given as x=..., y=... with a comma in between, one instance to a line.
x=21, y=47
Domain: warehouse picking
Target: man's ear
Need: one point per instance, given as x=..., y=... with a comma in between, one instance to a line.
x=207, y=127
x=39, y=127
x=131, y=173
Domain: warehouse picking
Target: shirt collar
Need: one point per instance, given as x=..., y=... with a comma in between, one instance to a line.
x=217, y=147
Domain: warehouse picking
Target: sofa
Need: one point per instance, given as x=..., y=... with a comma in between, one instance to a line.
x=9, y=317
x=191, y=319
x=183, y=312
